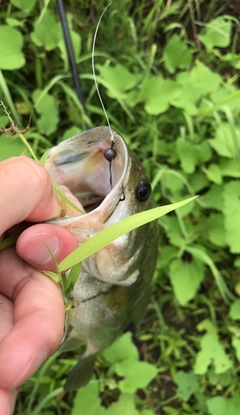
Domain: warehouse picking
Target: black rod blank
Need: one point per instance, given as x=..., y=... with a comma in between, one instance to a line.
x=70, y=53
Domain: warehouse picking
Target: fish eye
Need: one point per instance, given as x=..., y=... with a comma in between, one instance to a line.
x=143, y=191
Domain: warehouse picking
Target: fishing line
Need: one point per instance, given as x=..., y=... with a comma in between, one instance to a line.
x=94, y=73
x=70, y=53
x=109, y=153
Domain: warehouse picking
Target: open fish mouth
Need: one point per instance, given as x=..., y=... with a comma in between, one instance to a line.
x=79, y=165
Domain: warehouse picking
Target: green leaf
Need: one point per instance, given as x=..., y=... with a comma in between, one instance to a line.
x=217, y=33
x=213, y=173
x=188, y=155
x=212, y=351
x=46, y=101
x=187, y=384
x=11, y=42
x=118, y=79
x=186, y=278
x=214, y=228
x=10, y=146
x=226, y=143
x=231, y=210
x=123, y=348
x=128, y=369
x=234, y=312
x=222, y=406
x=157, y=94
x=47, y=31
x=87, y=401
x=229, y=167
x=176, y=54
x=204, y=78
x=125, y=405
x=213, y=198
x=25, y=5
x=113, y=232
x=48, y=121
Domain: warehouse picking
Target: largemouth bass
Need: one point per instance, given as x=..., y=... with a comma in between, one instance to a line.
x=107, y=180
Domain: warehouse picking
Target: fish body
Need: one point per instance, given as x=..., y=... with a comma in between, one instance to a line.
x=114, y=286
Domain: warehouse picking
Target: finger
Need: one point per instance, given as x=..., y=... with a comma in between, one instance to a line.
x=34, y=243
x=6, y=313
x=26, y=193
x=7, y=401
x=38, y=320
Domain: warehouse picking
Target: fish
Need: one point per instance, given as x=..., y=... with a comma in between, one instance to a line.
x=99, y=173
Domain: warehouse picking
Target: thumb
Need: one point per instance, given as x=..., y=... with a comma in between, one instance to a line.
x=34, y=244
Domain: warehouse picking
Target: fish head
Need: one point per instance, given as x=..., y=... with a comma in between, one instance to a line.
x=108, y=191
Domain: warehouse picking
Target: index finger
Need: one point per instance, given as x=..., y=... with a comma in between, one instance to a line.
x=26, y=193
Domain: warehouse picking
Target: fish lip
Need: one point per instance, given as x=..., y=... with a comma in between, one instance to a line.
x=106, y=208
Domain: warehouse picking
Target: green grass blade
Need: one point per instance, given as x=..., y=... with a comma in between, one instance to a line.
x=203, y=256
x=113, y=232
x=8, y=98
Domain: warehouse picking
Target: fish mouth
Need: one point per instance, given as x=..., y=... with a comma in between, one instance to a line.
x=79, y=164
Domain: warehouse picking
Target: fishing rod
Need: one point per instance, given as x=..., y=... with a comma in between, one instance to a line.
x=71, y=57
x=109, y=153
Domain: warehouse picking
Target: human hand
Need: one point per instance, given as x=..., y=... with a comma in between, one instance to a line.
x=31, y=304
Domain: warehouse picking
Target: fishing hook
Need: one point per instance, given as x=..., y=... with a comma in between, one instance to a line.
x=110, y=155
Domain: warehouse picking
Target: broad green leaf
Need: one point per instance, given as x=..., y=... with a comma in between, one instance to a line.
x=234, y=311
x=188, y=155
x=214, y=228
x=48, y=121
x=25, y=5
x=217, y=33
x=113, y=232
x=204, y=78
x=118, y=78
x=10, y=146
x=47, y=31
x=213, y=173
x=46, y=101
x=157, y=94
x=221, y=379
x=166, y=254
x=225, y=143
x=229, y=167
x=174, y=231
x=176, y=54
x=198, y=181
x=231, y=210
x=213, y=198
x=87, y=401
x=123, y=348
x=212, y=351
x=128, y=369
x=187, y=384
x=223, y=406
x=11, y=42
x=191, y=155
x=186, y=278
x=125, y=405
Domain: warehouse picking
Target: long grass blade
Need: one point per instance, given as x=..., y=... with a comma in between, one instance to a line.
x=113, y=232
